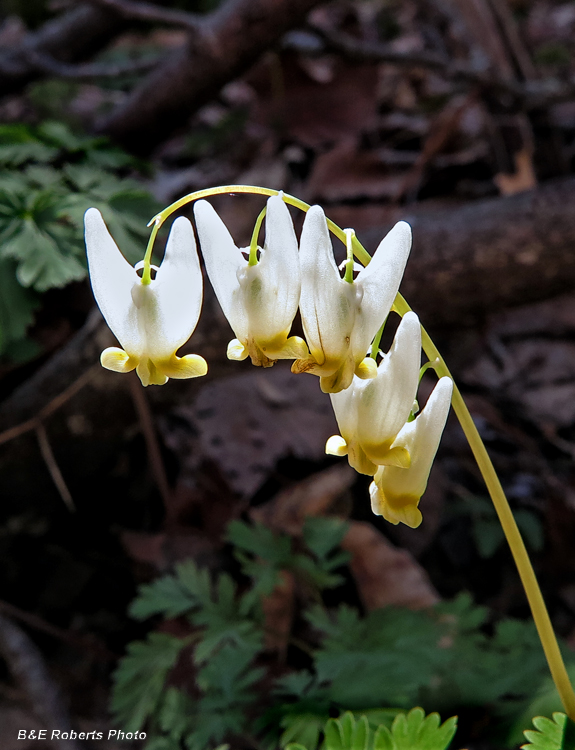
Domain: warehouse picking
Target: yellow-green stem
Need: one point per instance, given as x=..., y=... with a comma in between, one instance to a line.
x=375, y=343
x=253, y=259
x=516, y=544
x=147, y=271
x=512, y=533
x=349, y=235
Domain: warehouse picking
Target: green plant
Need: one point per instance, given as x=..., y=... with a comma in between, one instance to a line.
x=407, y=732
x=376, y=665
x=555, y=734
x=50, y=177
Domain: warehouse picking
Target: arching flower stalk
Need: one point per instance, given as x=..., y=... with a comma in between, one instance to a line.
x=339, y=324
x=341, y=316
x=260, y=300
x=150, y=320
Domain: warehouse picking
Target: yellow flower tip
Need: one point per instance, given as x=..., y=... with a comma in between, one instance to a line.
x=295, y=348
x=339, y=380
x=237, y=351
x=117, y=360
x=384, y=455
x=306, y=364
x=395, y=509
x=189, y=366
x=366, y=369
x=359, y=461
x=336, y=446
x=149, y=374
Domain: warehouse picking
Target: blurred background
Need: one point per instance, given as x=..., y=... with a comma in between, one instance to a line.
x=456, y=115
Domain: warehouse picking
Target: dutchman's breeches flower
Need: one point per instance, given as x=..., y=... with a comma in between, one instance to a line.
x=259, y=300
x=370, y=413
x=395, y=492
x=342, y=316
x=150, y=320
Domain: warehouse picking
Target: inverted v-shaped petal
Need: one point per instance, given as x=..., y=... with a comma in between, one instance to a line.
x=112, y=279
x=177, y=289
x=279, y=273
x=223, y=263
x=386, y=401
x=379, y=282
x=327, y=302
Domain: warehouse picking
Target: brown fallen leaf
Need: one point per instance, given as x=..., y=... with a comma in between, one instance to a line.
x=522, y=179
x=314, y=496
x=386, y=575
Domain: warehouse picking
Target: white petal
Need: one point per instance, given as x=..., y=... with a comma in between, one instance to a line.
x=379, y=282
x=327, y=302
x=386, y=401
x=421, y=438
x=272, y=308
x=113, y=279
x=177, y=290
x=345, y=408
x=223, y=263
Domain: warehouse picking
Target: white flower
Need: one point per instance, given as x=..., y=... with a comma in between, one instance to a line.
x=370, y=413
x=260, y=301
x=340, y=318
x=151, y=321
x=395, y=492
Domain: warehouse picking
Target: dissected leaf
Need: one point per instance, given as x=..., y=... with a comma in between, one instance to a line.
x=140, y=677
x=555, y=734
x=415, y=730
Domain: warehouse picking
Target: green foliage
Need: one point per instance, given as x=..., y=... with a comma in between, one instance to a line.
x=377, y=665
x=264, y=554
x=411, y=731
x=556, y=734
x=50, y=177
x=140, y=678
x=545, y=702
x=415, y=730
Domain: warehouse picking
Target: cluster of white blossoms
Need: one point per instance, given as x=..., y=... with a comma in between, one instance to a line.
x=153, y=315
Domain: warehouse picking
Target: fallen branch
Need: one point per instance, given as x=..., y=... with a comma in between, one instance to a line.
x=28, y=669
x=47, y=64
x=76, y=35
x=229, y=41
x=488, y=255
x=528, y=95
x=148, y=12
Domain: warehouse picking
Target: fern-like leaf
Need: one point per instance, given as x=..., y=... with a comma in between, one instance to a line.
x=416, y=731
x=552, y=734
x=140, y=677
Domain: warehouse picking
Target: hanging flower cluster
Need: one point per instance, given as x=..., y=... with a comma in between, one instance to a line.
x=260, y=291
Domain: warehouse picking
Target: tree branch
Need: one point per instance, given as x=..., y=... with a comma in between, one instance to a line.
x=148, y=12
x=27, y=666
x=529, y=94
x=47, y=64
x=75, y=35
x=489, y=255
x=228, y=42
